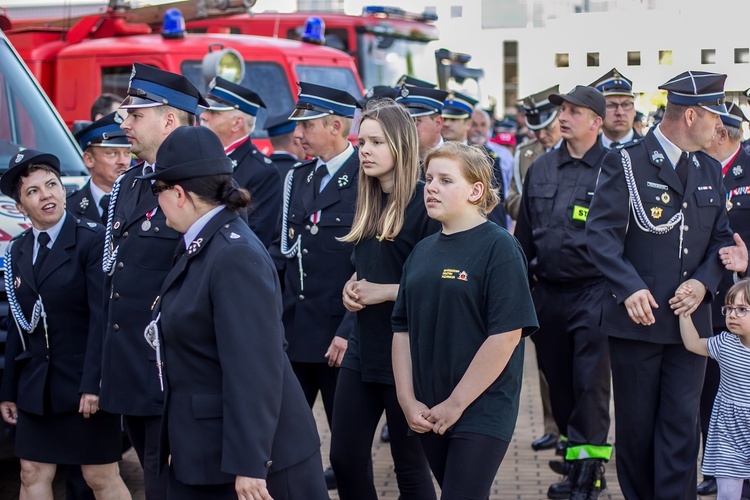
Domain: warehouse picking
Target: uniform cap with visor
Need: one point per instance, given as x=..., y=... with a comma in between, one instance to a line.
x=422, y=101
x=734, y=116
x=150, y=87
x=224, y=95
x=104, y=132
x=613, y=83
x=279, y=124
x=458, y=106
x=697, y=88
x=538, y=109
x=317, y=101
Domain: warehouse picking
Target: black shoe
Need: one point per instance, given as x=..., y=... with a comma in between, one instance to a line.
x=561, y=467
x=708, y=486
x=562, y=448
x=385, y=436
x=560, y=490
x=545, y=442
x=330, y=478
x=588, y=479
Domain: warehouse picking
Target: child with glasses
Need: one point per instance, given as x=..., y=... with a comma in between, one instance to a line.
x=727, y=453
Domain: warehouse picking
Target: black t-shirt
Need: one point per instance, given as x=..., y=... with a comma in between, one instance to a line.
x=456, y=291
x=377, y=261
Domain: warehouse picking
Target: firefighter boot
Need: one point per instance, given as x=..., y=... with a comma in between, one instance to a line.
x=589, y=479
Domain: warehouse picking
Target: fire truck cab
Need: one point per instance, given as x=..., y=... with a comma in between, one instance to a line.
x=95, y=56
x=385, y=42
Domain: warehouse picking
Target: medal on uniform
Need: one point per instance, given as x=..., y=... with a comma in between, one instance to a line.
x=17, y=282
x=665, y=197
x=315, y=218
x=656, y=212
x=146, y=224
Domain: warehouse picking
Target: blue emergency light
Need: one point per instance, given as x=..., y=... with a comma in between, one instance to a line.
x=315, y=31
x=173, y=25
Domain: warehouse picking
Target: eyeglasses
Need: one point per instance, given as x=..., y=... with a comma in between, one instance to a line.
x=740, y=312
x=626, y=106
x=158, y=188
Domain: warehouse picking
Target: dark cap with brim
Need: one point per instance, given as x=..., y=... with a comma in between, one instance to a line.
x=317, y=101
x=104, y=132
x=458, y=106
x=587, y=97
x=413, y=82
x=614, y=83
x=538, y=109
x=150, y=87
x=734, y=116
x=422, y=101
x=224, y=95
x=190, y=152
x=20, y=163
x=377, y=92
x=279, y=124
x=697, y=88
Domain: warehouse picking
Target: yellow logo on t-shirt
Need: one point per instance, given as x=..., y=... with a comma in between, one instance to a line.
x=450, y=274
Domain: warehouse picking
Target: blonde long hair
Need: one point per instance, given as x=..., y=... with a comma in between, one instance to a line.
x=370, y=218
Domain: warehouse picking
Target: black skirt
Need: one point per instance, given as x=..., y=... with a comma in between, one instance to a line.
x=68, y=438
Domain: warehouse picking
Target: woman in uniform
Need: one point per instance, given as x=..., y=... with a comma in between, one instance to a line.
x=50, y=385
x=390, y=219
x=236, y=421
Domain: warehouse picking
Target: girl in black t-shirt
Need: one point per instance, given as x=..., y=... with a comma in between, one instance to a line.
x=463, y=306
x=390, y=219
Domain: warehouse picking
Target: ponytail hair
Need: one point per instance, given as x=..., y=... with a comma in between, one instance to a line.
x=217, y=190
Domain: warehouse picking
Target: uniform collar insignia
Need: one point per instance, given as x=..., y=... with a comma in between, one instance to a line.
x=695, y=161
x=234, y=163
x=310, y=176
x=91, y=224
x=657, y=157
x=194, y=246
x=234, y=235
x=737, y=170
x=343, y=181
x=84, y=203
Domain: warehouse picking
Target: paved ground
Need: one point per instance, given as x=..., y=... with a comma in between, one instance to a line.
x=524, y=473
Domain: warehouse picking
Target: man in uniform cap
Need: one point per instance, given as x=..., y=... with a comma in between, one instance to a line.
x=425, y=105
x=106, y=154
x=735, y=167
x=287, y=150
x=572, y=353
x=231, y=117
x=413, y=82
x=658, y=220
x=617, y=127
x=137, y=256
x=541, y=119
x=319, y=203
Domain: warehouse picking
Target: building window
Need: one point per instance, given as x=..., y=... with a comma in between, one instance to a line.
x=456, y=11
x=510, y=70
x=634, y=58
x=562, y=60
x=741, y=56
x=592, y=59
x=665, y=58
x=708, y=56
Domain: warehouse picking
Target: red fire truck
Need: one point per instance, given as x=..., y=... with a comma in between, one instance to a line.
x=385, y=42
x=95, y=55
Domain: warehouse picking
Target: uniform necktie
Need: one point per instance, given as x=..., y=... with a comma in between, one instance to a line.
x=320, y=173
x=682, y=169
x=41, y=255
x=148, y=169
x=614, y=144
x=104, y=204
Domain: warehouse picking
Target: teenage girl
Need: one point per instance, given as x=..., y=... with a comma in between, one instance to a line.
x=727, y=453
x=390, y=219
x=463, y=306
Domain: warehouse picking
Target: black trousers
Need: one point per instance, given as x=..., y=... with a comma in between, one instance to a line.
x=143, y=433
x=356, y=413
x=314, y=378
x=573, y=355
x=464, y=463
x=657, y=392
x=302, y=481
